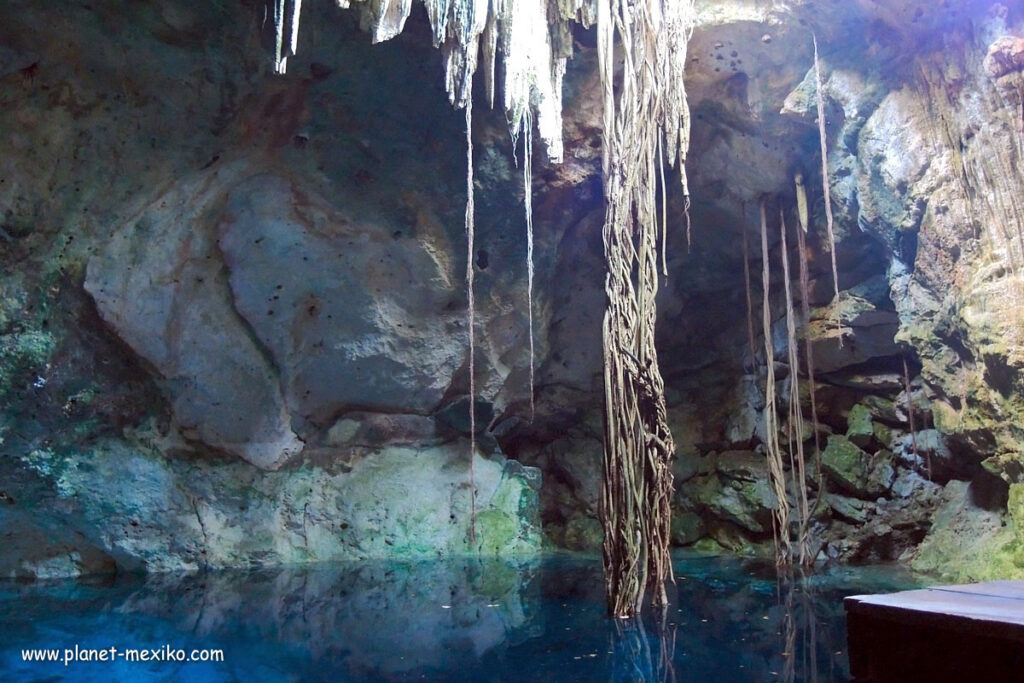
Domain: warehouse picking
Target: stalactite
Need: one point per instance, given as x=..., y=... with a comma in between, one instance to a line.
x=471, y=318
x=286, y=32
x=826, y=190
x=773, y=451
x=296, y=12
x=534, y=66
x=280, y=61
x=802, y=212
x=798, y=470
x=650, y=104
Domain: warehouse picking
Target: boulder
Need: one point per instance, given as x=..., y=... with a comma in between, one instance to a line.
x=738, y=497
x=687, y=528
x=1008, y=466
x=352, y=317
x=1005, y=55
x=856, y=471
x=860, y=430
x=158, y=284
x=882, y=408
x=930, y=450
x=865, y=333
x=851, y=509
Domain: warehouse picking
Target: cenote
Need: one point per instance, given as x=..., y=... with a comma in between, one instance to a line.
x=432, y=340
x=728, y=620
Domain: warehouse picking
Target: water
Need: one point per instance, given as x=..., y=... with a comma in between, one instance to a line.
x=464, y=620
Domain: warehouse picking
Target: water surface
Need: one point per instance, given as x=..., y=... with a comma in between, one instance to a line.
x=729, y=620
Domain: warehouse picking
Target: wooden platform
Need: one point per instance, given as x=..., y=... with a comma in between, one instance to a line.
x=945, y=633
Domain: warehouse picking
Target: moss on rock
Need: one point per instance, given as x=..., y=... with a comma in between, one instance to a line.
x=854, y=470
x=860, y=429
x=583, y=533
x=23, y=354
x=968, y=543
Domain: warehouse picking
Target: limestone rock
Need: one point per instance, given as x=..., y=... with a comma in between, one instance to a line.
x=882, y=408
x=967, y=543
x=856, y=471
x=867, y=333
x=580, y=465
x=742, y=465
x=852, y=509
x=351, y=316
x=1005, y=55
x=157, y=284
x=158, y=514
x=1008, y=466
x=687, y=528
x=933, y=453
x=375, y=430
x=908, y=482
x=29, y=550
x=739, y=492
x=892, y=528
x=860, y=430
x=583, y=533
x=193, y=199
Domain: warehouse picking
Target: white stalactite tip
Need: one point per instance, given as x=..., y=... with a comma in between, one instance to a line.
x=524, y=30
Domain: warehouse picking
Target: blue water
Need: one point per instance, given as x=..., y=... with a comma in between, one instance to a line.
x=465, y=620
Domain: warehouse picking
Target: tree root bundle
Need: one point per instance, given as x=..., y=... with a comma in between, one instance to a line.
x=650, y=111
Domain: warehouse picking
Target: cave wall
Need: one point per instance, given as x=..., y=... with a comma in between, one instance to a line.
x=234, y=323
x=232, y=308
x=918, y=403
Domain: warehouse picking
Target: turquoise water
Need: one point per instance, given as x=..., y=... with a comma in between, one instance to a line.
x=465, y=620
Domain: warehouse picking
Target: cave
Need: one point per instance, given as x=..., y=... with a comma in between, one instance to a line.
x=241, y=391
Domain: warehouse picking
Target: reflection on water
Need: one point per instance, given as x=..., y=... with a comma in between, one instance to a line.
x=455, y=620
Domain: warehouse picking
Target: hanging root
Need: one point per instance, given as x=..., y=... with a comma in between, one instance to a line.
x=528, y=208
x=829, y=221
x=664, y=214
x=805, y=312
x=910, y=417
x=686, y=216
x=746, y=281
x=796, y=417
x=470, y=238
x=773, y=452
x=643, y=113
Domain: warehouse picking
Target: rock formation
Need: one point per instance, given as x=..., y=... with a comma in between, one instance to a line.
x=232, y=312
